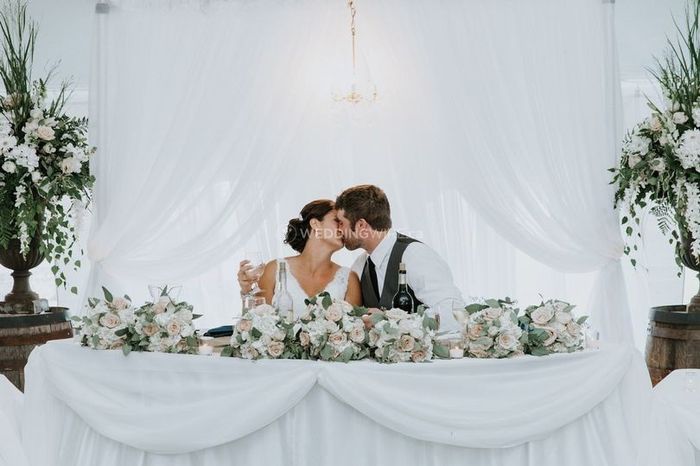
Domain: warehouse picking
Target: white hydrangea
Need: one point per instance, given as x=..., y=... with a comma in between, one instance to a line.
x=689, y=149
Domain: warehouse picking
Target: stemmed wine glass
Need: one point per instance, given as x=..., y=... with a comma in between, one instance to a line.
x=257, y=264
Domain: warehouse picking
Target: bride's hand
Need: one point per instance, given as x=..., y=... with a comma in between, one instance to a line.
x=244, y=280
x=367, y=318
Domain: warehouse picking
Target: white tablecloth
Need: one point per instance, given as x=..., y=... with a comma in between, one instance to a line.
x=100, y=408
x=11, y=451
x=674, y=437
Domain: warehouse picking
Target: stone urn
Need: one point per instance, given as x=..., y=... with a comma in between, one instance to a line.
x=20, y=299
x=673, y=336
x=692, y=263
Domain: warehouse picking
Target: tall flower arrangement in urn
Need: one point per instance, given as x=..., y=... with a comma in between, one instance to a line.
x=45, y=180
x=659, y=168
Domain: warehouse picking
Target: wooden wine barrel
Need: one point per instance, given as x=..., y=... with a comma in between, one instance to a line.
x=20, y=334
x=673, y=341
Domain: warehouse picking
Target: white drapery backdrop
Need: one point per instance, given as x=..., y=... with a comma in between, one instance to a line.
x=216, y=121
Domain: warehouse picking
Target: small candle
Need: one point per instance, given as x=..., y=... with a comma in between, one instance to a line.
x=456, y=353
x=206, y=350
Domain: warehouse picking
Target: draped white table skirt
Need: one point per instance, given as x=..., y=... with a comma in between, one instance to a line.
x=101, y=408
x=674, y=437
x=11, y=450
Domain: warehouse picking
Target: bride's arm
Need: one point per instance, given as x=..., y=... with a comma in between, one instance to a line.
x=354, y=293
x=268, y=281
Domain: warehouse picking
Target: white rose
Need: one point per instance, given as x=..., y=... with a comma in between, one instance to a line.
x=679, y=118
x=9, y=167
x=45, y=133
x=275, y=349
x=334, y=312
x=159, y=308
x=474, y=331
x=36, y=177
x=337, y=338
x=150, y=329
x=551, y=336
x=120, y=303
x=330, y=327
x=304, y=339
x=357, y=334
x=37, y=113
x=174, y=327
x=542, y=315
x=493, y=331
x=407, y=343
x=492, y=313
x=573, y=328
x=655, y=124
x=248, y=352
x=507, y=341
x=563, y=317
x=110, y=320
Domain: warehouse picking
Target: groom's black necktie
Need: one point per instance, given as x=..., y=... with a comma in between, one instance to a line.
x=373, y=277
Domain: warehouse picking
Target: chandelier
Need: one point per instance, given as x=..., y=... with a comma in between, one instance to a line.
x=357, y=93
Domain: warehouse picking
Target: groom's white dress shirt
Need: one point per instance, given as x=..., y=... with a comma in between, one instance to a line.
x=426, y=273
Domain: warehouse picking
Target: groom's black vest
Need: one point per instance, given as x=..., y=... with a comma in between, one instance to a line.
x=391, y=278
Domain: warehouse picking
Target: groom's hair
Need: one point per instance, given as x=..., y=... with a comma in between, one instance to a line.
x=368, y=202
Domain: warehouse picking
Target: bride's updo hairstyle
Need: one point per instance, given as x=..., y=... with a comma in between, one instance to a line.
x=299, y=229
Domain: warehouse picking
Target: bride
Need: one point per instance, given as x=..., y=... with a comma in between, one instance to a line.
x=316, y=236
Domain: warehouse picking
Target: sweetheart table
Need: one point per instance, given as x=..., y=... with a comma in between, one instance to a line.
x=85, y=408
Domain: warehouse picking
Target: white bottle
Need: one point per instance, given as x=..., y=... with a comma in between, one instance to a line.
x=285, y=305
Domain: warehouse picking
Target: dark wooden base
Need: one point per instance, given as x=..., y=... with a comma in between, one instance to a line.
x=20, y=334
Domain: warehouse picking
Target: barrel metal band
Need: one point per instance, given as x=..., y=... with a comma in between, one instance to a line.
x=18, y=340
x=675, y=333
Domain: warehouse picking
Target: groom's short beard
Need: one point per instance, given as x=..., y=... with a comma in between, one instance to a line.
x=352, y=243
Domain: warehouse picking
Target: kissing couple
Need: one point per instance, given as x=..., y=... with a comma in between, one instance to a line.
x=359, y=218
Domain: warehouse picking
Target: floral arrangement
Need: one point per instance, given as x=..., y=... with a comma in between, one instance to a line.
x=397, y=336
x=106, y=322
x=660, y=163
x=263, y=334
x=164, y=326
x=492, y=330
x=552, y=328
x=45, y=180
x=332, y=330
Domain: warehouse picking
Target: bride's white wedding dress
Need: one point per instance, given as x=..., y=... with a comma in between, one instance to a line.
x=337, y=288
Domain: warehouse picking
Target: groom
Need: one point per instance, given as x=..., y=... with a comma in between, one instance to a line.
x=364, y=216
